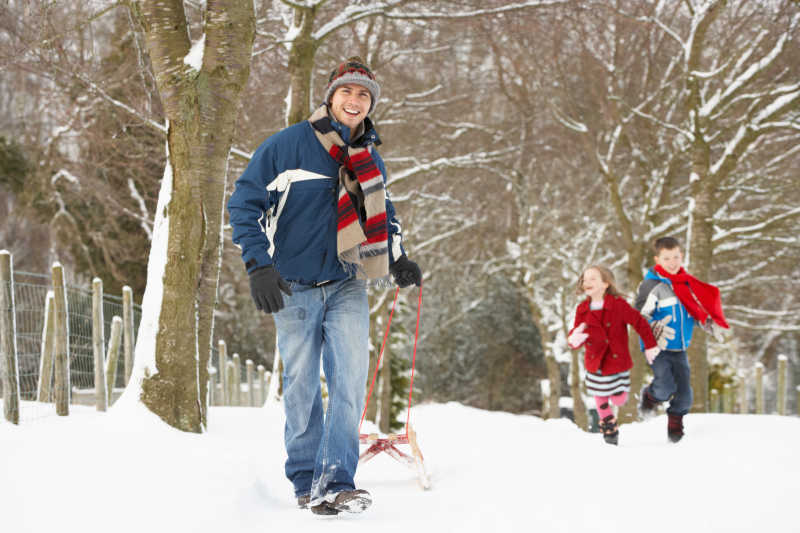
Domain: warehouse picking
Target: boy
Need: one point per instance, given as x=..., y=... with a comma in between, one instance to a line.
x=672, y=300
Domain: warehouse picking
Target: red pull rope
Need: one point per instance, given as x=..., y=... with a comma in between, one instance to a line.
x=378, y=364
x=414, y=357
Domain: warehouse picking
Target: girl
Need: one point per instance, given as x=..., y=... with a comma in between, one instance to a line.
x=601, y=324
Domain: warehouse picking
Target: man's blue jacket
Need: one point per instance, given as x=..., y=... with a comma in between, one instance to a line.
x=283, y=208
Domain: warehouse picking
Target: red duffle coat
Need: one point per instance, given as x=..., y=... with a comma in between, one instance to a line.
x=607, y=343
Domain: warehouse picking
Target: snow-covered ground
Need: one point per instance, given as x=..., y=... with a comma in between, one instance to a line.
x=128, y=472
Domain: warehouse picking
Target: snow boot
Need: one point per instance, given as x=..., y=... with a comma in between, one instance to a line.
x=324, y=508
x=610, y=430
x=647, y=404
x=302, y=501
x=674, y=427
x=350, y=501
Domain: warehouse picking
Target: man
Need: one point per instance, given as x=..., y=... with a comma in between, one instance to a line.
x=314, y=223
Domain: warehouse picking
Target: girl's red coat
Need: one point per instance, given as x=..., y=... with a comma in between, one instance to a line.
x=607, y=343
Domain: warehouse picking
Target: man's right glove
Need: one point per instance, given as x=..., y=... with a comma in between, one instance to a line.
x=405, y=272
x=266, y=285
x=662, y=332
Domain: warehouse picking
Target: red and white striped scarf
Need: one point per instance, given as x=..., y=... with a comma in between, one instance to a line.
x=362, y=244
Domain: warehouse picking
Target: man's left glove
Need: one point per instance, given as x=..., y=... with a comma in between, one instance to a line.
x=266, y=285
x=405, y=272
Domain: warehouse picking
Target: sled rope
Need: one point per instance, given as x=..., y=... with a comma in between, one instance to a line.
x=380, y=356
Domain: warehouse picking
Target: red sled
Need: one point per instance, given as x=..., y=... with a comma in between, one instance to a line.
x=388, y=444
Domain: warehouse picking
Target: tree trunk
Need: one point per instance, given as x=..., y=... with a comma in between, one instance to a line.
x=301, y=66
x=201, y=107
x=630, y=411
x=699, y=251
x=578, y=407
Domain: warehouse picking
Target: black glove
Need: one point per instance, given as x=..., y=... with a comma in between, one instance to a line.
x=266, y=285
x=405, y=272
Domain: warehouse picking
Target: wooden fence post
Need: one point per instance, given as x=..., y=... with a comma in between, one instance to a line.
x=99, y=345
x=251, y=391
x=127, y=323
x=230, y=379
x=113, y=356
x=8, y=344
x=797, y=405
x=742, y=383
x=44, y=390
x=781, y=393
x=262, y=384
x=715, y=401
x=237, y=381
x=759, y=389
x=275, y=376
x=212, y=386
x=222, y=353
x=727, y=398
x=61, y=348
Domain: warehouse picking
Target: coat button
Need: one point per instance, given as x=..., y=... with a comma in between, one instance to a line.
x=608, y=324
x=614, y=356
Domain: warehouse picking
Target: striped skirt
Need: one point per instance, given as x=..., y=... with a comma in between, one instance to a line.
x=597, y=385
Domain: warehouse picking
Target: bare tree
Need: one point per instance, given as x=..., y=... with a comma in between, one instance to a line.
x=200, y=84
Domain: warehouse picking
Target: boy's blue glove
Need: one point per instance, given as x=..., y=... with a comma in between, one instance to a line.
x=266, y=285
x=405, y=272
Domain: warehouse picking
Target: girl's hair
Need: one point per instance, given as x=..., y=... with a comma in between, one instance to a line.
x=606, y=275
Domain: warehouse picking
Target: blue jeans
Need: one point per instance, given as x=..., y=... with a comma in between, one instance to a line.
x=671, y=379
x=331, y=322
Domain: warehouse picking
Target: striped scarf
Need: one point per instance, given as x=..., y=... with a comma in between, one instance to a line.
x=362, y=244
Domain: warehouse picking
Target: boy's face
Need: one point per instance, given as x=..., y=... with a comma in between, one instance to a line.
x=350, y=104
x=670, y=260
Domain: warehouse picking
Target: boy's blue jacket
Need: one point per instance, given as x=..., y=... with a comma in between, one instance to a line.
x=283, y=207
x=655, y=299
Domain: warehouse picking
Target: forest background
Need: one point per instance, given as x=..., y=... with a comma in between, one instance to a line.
x=524, y=141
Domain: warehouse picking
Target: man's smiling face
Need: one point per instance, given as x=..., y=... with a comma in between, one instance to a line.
x=350, y=104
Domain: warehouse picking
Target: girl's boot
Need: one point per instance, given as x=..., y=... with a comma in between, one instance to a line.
x=610, y=430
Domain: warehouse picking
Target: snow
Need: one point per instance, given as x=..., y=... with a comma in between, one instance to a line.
x=144, y=357
x=491, y=471
x=195, y=56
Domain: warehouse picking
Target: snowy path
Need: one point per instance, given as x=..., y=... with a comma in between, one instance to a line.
x=490, y=471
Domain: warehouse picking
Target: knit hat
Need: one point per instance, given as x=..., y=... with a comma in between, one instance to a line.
x=353, y=71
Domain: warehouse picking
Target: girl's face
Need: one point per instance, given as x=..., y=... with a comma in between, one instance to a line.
x=593, y=284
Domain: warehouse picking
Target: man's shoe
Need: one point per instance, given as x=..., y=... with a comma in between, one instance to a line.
x=324, y=509
x=349, y=501
x=647, y=404
x=674, y=427
x=302, y=501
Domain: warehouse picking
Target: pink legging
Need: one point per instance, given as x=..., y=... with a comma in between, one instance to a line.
x=617, y=399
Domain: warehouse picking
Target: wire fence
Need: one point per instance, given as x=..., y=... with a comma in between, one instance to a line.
x=243, y=383
x=30, y=297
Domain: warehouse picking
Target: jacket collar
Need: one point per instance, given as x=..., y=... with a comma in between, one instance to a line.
x=369, y=135
x=652, y=274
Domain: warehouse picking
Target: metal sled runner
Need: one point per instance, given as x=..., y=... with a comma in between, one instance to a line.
x=388, y=444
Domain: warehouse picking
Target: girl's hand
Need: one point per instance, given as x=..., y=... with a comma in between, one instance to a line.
x=577, y=337
x=651, y=353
